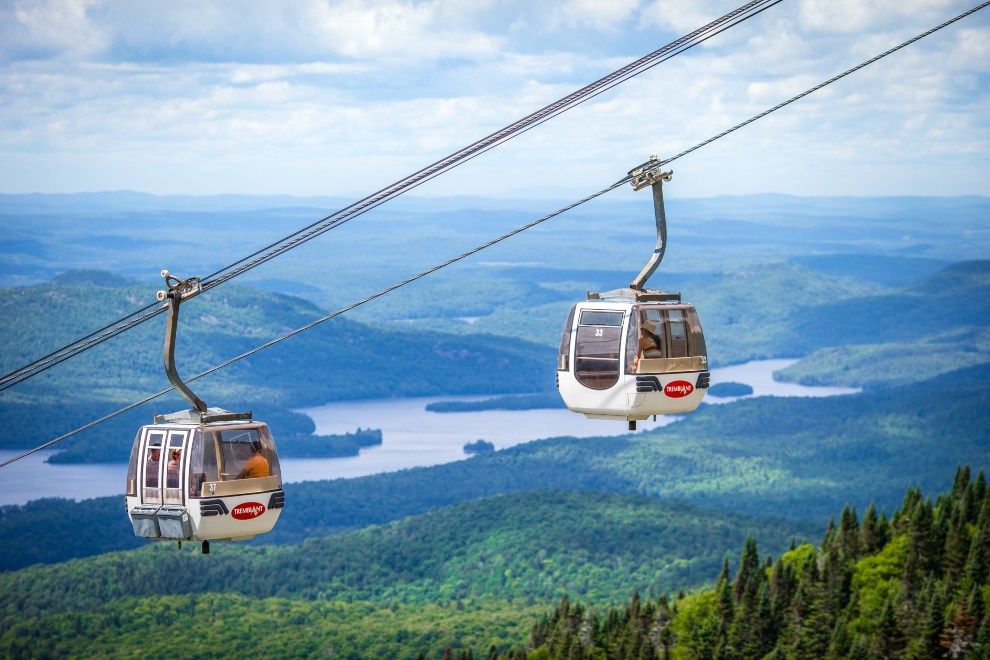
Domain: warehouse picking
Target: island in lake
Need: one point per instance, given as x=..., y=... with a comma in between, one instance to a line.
x=730, y=389
x=479, y=447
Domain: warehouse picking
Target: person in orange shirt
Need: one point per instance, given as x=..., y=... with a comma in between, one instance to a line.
x=257, y=465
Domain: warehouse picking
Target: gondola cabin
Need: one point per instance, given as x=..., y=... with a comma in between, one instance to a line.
x=203, y=481
x=629, y=357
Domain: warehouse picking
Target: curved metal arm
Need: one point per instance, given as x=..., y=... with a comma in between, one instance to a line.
x=653, y=177
x=178, y=290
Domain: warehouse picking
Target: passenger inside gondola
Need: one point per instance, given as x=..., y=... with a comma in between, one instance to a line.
x=172, y=469
x=255, y=466
x=650, y=342
x=151, y=468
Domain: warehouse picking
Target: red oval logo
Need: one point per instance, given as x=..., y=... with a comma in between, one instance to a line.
x=248, y=510
x=678, y=388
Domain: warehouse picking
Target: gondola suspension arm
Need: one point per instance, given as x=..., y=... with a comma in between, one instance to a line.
x=651, y=174
x=178, y=291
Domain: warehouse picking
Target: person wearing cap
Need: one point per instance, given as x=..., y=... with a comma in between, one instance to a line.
x=257, y=465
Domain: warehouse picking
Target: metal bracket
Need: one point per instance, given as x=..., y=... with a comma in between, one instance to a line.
x=181, y=289
x=648, y=174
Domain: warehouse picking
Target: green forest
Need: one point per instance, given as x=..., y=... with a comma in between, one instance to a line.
x=224, y=324
x=529, y=546
x=912, y=584
x=792, y=457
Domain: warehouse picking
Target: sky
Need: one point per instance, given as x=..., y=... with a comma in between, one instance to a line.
x=319, y=97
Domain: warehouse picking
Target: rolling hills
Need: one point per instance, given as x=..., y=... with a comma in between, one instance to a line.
x=532, y=545
x=909, y=585
x=933, y=326
x=340, y=360
x=796, y=458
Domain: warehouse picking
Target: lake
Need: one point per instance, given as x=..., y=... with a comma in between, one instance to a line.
x=411, y=437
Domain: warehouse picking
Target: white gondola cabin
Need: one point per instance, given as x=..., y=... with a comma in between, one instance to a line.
x=204, y=482
x=627, y=359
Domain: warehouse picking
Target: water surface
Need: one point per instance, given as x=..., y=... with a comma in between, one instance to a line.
x=411, y=437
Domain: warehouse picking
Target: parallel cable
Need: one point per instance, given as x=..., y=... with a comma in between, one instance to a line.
x=322, y=319
x=621, y=182
x=283, y=245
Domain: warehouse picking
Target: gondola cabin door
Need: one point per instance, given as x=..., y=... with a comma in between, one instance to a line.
x=162, y=467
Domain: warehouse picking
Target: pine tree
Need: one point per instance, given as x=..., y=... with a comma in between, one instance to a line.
x=723, y=610
x=662, y=636
x=925, y=641
x=922, y=554
x=848, y=534
x=956, y=549
x=960, y=483
x=748, y=577
x=975, y=606
x=782, y=587
x=860, y=650
x=980, y=486
x=840, y=643
x=888, y=640
x=869, y=535
x=744, y=631
x=975, y=571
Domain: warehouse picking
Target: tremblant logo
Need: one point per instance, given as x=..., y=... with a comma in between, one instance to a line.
x=248, y=510
x=678, y=388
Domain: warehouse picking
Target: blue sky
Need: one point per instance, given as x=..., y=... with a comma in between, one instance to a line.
x=331, y=98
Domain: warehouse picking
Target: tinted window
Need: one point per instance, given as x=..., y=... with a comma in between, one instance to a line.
x=235, y=450
x=632, y=343
x=697, y=336
x=202, y=461
x=595, y=317
x=237, y=453
x=677, y=331
x=154, y=458
x=596, y=361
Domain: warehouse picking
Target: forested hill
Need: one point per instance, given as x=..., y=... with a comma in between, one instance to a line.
x=799, y=458
x=535, y=545
x=914, y=586
x=936, y=325
x=341, y=359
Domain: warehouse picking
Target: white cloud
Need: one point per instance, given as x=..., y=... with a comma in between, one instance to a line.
x=48, y=28
x=599, y=14
x=346, y=96
x=857, y=16
x=683, y=16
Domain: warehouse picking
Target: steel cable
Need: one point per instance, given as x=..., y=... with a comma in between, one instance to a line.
x=490, y=243
x=400, y=187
